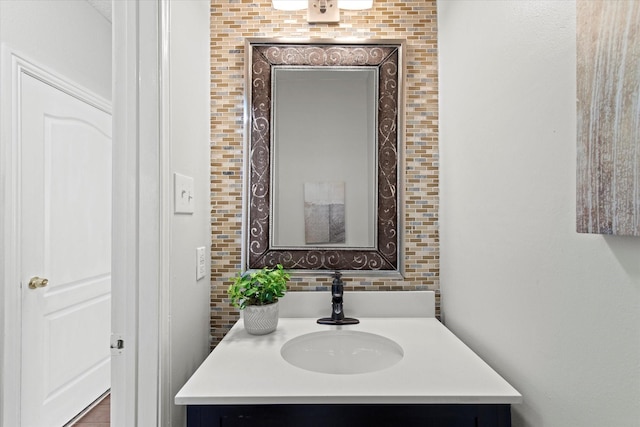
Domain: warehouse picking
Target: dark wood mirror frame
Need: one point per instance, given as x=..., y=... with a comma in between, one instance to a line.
x=262, y=55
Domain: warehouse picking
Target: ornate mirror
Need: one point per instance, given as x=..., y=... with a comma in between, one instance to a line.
x=323, y=163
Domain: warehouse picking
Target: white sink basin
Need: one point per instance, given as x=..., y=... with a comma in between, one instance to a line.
x=342, y=352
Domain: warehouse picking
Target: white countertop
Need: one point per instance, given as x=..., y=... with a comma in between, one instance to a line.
x=437, y=368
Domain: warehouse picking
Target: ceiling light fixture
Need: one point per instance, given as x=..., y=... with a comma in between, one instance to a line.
x=355, y=4
x=290, y=4
x=322, y=10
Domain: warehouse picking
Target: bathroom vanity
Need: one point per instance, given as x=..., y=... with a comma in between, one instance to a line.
x=437, y=380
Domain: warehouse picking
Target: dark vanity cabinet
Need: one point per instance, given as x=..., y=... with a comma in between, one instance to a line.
x=458, y=415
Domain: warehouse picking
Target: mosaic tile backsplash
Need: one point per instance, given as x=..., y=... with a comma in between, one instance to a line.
x=234, y=20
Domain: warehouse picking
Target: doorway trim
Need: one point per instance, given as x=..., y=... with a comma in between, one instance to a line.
x=13, y=66
x=141, y=225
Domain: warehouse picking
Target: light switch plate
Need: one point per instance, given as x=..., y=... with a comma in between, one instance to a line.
x=183, y=194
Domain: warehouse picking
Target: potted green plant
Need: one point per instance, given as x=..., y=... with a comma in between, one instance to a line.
x=257, y=293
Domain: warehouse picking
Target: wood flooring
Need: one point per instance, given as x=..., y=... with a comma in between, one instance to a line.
x=98, y=416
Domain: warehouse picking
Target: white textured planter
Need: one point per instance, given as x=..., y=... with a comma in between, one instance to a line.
x=261, y=319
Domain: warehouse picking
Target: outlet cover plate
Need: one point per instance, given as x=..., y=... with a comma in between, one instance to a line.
x=201, y=263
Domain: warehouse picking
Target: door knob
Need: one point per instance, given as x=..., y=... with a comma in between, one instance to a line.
x=37, y=282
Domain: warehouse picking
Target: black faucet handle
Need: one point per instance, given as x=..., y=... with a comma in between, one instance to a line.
x=337, y=278
x=337, y=313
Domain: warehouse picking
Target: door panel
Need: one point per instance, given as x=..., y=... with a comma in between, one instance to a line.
x=65, y=147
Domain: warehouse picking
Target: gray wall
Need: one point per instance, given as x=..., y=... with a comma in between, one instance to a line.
x=70, y=37
x=190, y=153
x=555, y=312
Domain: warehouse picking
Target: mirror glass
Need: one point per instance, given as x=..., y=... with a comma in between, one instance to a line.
x=323, y=164
x=324, y=158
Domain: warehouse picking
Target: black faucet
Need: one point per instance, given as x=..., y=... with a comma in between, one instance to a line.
x=337, y=312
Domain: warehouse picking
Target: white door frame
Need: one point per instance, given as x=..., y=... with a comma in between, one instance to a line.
x=14, y=67
x=141, y=205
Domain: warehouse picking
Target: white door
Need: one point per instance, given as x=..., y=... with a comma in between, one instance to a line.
x=65, y=223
